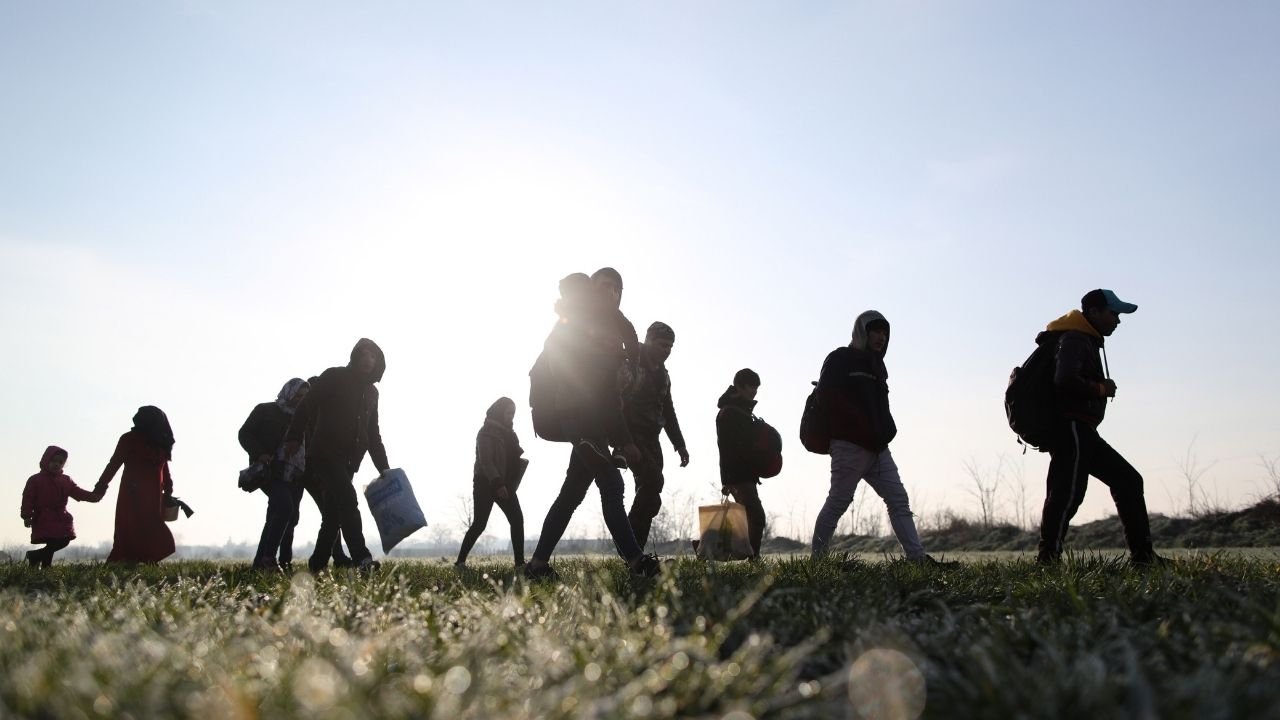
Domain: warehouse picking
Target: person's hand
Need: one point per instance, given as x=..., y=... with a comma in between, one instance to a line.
x=291, y=448
x=501, y=492
x=26, y=522
x=684, y=457
x=1108, y=388
x=265, y=458
x=632, y=454
x=725, y=490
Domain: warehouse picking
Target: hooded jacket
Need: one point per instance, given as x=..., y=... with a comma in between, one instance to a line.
x=44, y=501
x=1078, y=371
x=735, y=440
x=338, y=419
x=646, y=400
x=498, y=450
x=854, y=390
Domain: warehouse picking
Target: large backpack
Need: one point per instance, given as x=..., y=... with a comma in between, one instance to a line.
x=1029, y=401
x=544, y=401
x=815, y=428
x=767, y=444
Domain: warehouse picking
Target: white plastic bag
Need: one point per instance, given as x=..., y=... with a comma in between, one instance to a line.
x=722, y=530
x=394, y=508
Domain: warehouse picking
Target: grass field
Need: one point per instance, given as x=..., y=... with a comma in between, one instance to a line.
x=992, y=638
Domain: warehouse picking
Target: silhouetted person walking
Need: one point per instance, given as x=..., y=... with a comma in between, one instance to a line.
x=496, y=478
x=739, y=456
x=341, y=414
x=585, y=351
x=854, y=392
x=44, y=506
x=141, y=535
x=1076, y=450
x=648, y=408
x=262, y=437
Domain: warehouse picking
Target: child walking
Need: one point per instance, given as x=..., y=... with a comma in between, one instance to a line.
x=44, y=506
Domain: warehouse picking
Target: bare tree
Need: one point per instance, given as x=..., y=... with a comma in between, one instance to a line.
x=1271, y=466
x=985, y=489
x=1192, y=475
x=1018, y=485
x=465, y=512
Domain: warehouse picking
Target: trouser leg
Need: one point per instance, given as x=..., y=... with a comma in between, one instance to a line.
x=649, y=482
x=482, y=497
x=1070, y=455
x=577, y=480
x=849, y=463
x=883, y=477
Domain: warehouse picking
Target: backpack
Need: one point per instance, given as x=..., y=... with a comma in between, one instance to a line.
x=767, y=445
x=1029, y=401
x=815, y=429
x=544, y=402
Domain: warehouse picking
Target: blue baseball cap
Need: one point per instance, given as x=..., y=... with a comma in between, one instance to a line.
x=1106, y=299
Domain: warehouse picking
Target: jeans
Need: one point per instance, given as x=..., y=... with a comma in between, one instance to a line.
x=649, y=481
x=581, y=473
x=482, y=494
x=749, y=495
x=339, y=512
x=1077, y=452
x=851, y=463
x=282, y=516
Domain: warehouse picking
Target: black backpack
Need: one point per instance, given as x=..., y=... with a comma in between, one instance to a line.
x=544, y=401
x=815, y=429
x=1029, y=401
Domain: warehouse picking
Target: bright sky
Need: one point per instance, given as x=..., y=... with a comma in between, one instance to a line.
x=200, y=200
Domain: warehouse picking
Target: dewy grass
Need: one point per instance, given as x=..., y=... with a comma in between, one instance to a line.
x=782, y=638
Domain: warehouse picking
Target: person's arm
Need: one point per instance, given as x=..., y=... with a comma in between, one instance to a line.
x=28, y=504
x=671, y=424
x=377, y=452
x=78, y=493
x=113, y=467
x=1068, y=373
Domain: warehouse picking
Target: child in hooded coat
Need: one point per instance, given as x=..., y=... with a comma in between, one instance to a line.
x=44, y=506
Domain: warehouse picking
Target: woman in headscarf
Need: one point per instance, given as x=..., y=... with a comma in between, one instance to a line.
x=141, y=535
x=498, y=470
x=262, y=436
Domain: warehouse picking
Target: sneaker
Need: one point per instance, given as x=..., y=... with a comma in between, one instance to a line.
x=286, y=567
x=33, y=558
x=315, y=567
x=543, y=571
x=930, y=561
x=343, y=561
x=270, y=567
x=1150, y=561
x=368, y=565
x=1046, y=560
x=645, y=566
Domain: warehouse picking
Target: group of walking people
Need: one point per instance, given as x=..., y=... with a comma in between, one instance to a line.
x=606, y=395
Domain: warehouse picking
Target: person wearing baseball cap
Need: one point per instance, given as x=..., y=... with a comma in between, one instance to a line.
x=1082, y=388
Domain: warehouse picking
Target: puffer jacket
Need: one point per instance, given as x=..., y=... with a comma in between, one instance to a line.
x=1078, y=372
